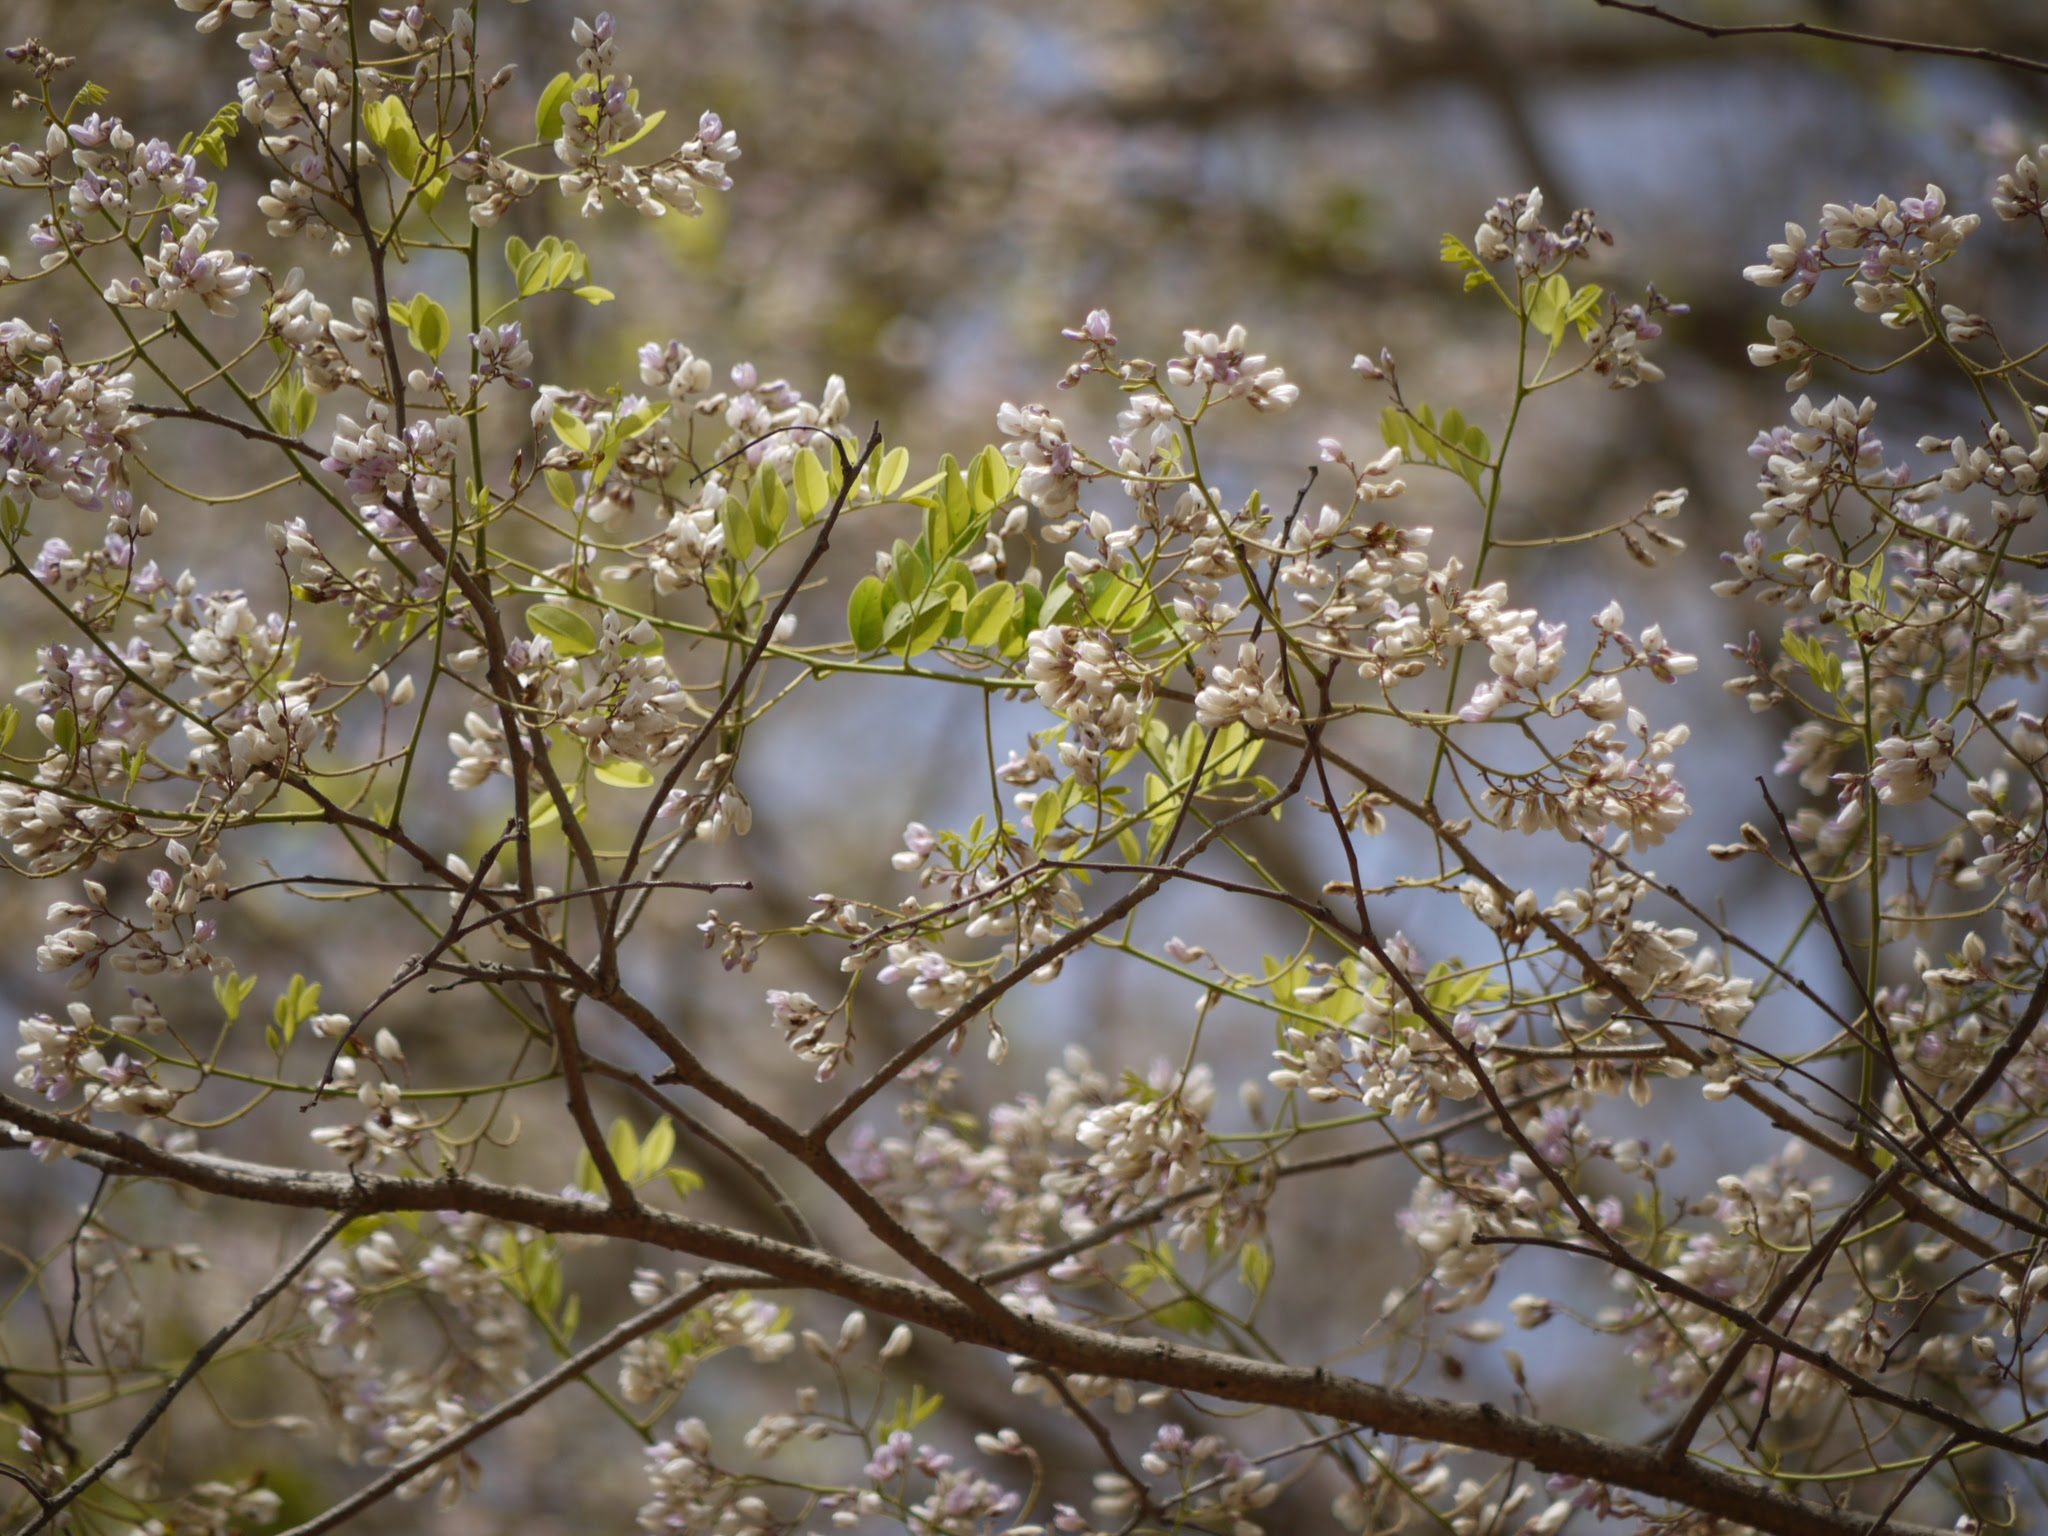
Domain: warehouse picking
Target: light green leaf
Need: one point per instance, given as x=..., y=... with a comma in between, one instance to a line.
x=623, y=773
x=533, y=272
x=1394, y=432
x=430, y=327
x=908, y=574
x=1054, y=606
x=636, y=422
x=947, y=509
x=890, y=475
x=590, y=293
x=547, y=116
x=212, y=140
x=813, y=492
x=1113, y=600
x=768, y=505
x=1474, y=451
x=565, y=629
x=231, y=991
x=989, y=614
x=1584, y=311
x=391, y=129
x=1046, y=811
x=571, y=429
x=957, y=519
x=623, y=1145
x=1255, y=1267
x=718, y=587
x=647, y=126
x=562, y=486
x=297, y=1003
x=1459, y=254
x=655, y=1151
x=290, y=404
x=1160, y=801
x=898, y=620
x=738, y=523
x=990, y=480
x=683, y=1181
x=304, y=409
x=1547, y=308
x=865, y=612
x=404, y=147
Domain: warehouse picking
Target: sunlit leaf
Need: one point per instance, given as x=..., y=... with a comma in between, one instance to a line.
x=547, y=115
x=989, y=614
x=866, y=611
x=813, y=492
x=890, y=474
x=563, y=628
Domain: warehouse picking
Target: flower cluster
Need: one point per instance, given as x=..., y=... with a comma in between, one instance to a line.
x=599, y=119
x=1899, y=243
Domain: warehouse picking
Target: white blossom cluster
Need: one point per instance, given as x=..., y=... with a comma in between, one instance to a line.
x=600, y=118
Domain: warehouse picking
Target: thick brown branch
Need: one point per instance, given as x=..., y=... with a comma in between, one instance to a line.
x=1482, y=1427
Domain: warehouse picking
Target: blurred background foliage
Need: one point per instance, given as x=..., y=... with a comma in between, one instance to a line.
x=929, y=192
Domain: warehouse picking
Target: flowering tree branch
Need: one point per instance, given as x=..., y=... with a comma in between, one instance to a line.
x=1058, y=1346
x=614, y=604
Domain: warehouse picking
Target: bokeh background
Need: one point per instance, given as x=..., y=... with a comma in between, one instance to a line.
x=929, y=192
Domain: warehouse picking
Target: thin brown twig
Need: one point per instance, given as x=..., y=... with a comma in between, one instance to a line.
x=15, y=1474
x=1879, y=1040
x=1099, y=1433
x=849, y=474
x=1147, y=887
x=569, y=1370
x=1596, y=970
x=569, y=1053
x=1828, y=35
x=71, y=1345
x=1755, y=1330
x=799, y=1228
x=1152, y=1210
x=56, y=1503
x=1992, y=1072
